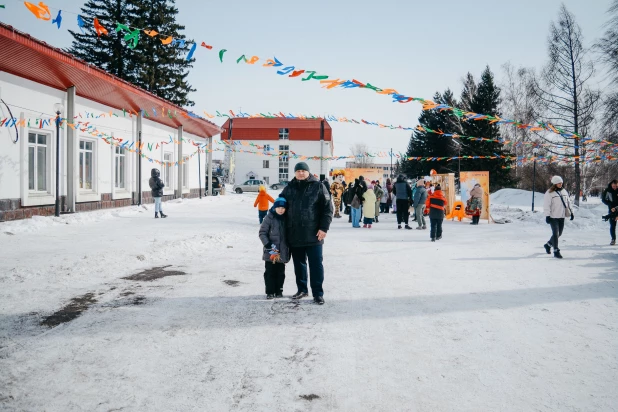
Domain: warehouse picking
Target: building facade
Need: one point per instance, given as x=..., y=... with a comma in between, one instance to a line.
x=387, y=170
x=264, y=148
x=104, y=122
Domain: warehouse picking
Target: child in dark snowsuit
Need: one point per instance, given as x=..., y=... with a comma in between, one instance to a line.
x=156, y=184
x=276, y=252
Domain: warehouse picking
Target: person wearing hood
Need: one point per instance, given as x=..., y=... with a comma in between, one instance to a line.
x=437, y=210
x=370, y=204
x=355, y=204
x=348, y=195
x=403, y=194
x=261, y=202
x=275, y=252
x=610, y=199
x=379, y=192
x=309, y=215
x=557, y=207
x=420, y=203
x=476, y=203
x=157, y=185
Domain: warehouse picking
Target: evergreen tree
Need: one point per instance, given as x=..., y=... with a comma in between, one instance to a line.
x=158, y=68
x=163, y=69
x=486, y=99
x=427, y=144
x=107, y=52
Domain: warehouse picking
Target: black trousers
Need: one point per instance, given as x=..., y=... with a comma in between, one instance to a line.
x=313, y=254
x=612, y=228
x=436, y=228
x=403, y=214
x=274, y=276
x=557, y=226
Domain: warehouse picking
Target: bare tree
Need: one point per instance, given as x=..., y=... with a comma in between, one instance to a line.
x=608, y=48
x=566, y=99
x=359, y=151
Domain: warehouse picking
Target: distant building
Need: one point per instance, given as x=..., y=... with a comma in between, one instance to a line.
x=278, y=139
x=386, y=168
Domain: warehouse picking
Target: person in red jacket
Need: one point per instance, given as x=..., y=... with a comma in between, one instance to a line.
x=262, y=203
x=437, y=210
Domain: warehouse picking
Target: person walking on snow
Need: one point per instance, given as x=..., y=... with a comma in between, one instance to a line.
x=157, y=185
x=355, y=205
x=420, y=200
x=310, y=213
x=557, y=207
x=377, y=189
x=276, y=252
x=261, y=202
x=437, y=210
x=610, y=199
x=370, y=204
x=403, y=194
x=476, y=203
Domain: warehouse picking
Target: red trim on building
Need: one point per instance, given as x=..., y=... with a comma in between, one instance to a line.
x=268, y=129
x=32, y=59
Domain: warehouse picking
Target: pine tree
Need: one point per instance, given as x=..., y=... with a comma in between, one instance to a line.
x=107, y=52
x=427, y=144
x=486, y=99
x=163, y=69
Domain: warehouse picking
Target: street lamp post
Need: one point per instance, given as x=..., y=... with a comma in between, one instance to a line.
x=535, y=151
x=58, y=109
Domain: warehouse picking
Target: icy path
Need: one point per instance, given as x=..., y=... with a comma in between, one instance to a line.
x=483, y=320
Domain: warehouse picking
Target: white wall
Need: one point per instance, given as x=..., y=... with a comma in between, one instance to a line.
x=247, y=162
x=35, y=101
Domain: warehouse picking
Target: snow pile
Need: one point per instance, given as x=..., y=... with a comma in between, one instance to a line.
x=516, y=205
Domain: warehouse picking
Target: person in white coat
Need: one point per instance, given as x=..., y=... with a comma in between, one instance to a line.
x=557, y=207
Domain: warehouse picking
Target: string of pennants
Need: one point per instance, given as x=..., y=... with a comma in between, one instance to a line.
x=132, y=37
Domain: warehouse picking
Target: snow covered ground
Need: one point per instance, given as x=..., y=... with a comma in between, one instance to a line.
x=482, y=320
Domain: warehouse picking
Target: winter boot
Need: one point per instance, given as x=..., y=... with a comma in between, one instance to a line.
x=279, y=295
x=156, y=215
x=419, y=228
x=299, y=295
x=365, y=226
x=398, y=226
x=424, y=227
x=408, y=227
x=439, y=237
x=547, y=247
x=377, y=221
x=319, y=300
x=557, y=254
x=369, y=226
x=163, y=215
x=270, y=296
x=433, y=240
x=613, y=242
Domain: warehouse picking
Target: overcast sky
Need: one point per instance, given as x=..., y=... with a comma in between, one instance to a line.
x=415, y=47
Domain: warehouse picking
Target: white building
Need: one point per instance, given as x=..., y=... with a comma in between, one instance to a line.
x=387, y=170
x=104, y=118
x=269, y=148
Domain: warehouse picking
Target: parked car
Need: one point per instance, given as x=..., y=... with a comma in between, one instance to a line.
x=216, y=185
x=252, y=185
x=279, y=185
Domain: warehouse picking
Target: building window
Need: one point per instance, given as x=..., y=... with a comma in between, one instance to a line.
x=120, y=167
x=167, y=169
x=37, y=161
x=267, y=148
x=185, y=174
x=284, y=155
x=265, y=164
x=284, y=134
x=86, y=164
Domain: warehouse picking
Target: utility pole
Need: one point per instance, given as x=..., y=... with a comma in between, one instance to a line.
x=391, y=153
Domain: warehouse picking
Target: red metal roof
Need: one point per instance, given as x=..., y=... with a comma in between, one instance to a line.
x=33, y=59
x=268, y=129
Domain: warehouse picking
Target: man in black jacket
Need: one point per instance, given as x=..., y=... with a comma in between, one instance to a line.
x=610, y=198
x=403, y=194
x=310, y=213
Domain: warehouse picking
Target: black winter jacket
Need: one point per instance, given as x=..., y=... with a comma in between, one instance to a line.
x=272, y=231
x=309, y=210
x=157, y=185
x=402, y=190
x=610, y=197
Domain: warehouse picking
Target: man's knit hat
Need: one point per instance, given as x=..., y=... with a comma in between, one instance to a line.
x=301, y=166
x=280, y=202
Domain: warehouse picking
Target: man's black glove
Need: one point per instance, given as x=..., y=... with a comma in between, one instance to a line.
x=547, y=219
x=572, y=216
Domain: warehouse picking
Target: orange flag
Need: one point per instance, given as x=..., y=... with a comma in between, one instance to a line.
x=168, y=40
x=99, y=28
x=151, y=33
x=40, y=12
x=207, y=46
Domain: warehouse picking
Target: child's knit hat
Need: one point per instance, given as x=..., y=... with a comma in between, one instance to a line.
x=280, y=202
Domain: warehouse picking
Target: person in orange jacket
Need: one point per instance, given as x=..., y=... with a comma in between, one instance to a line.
x=262, y=203
x=437, y=209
